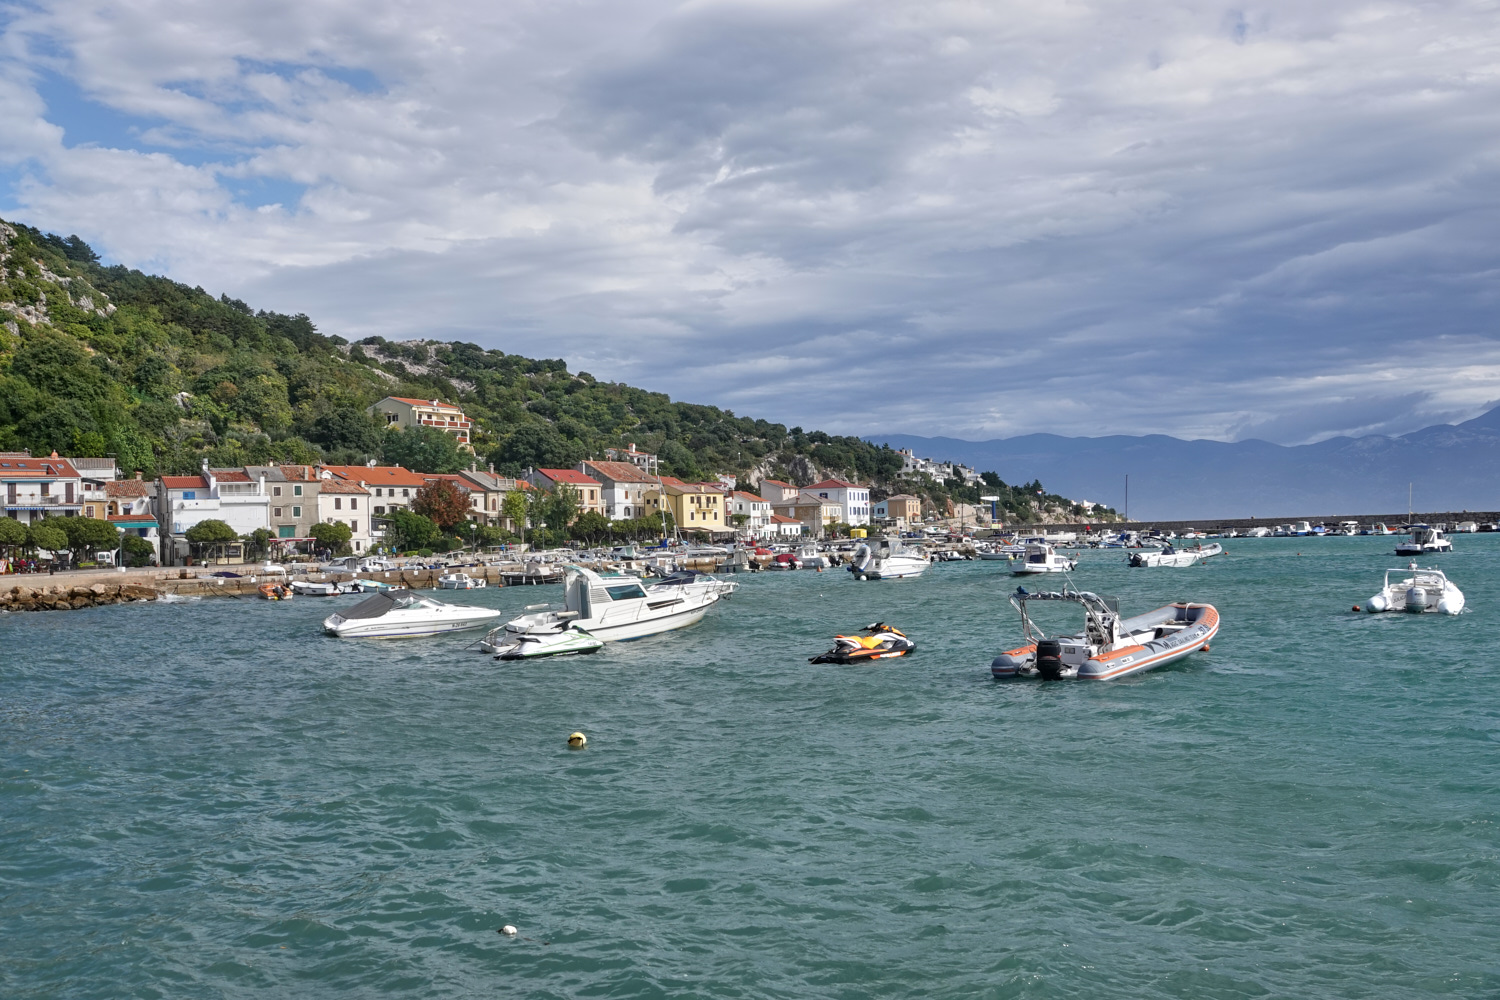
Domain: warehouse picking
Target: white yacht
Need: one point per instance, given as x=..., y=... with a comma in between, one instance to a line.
x=401, y=614
x=1348, y=528
x=891, y=561
x=616, y=608
x=1425, y=590
x=1260, y=532
x=810, y=558
x=1465, y=528
x=1042, y=558
x=1299, y=528
x=1424, y=539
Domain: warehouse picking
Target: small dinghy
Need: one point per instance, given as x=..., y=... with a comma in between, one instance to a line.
x=309, y=588
x=1423, y=591
x=1170, y=556
x=879, y=642
x=459, y=581
x=274, y=591
x=1109, y=647
x=510, y=646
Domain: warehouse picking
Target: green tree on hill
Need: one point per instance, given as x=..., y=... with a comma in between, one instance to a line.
x=423, y=449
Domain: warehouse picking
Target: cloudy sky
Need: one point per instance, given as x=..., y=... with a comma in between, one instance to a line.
x=1273, y=220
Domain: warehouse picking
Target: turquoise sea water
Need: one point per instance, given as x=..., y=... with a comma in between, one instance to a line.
x=212, y=799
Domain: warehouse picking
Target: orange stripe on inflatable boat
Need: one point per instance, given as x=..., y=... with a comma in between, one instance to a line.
x=1120, y=652
x=1018, y=652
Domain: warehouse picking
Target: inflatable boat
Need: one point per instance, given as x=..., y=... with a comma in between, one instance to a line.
x=879, y=642
x=1423, y=591
x=1109, y=647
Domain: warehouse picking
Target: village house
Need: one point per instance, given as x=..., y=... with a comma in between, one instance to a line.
x=853, y=500
x=641, y=460
x=901, y=510
x=402, y=412
x=689, y=506
x=783, y=526
x=350, y=503
x=390, y=486
x=756, y=510
x=814, y=512
x=492, y=490
x=127, y=505
x=777, y=492
x=40, y=487
x=228, y=495
x=590, y=491
x=623, y=486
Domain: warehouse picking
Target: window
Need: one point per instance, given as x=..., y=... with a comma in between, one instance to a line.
x=186, y=494
x=354, y=503
x=275, y=511
x=626, y=592
x=276, y=491
x=380, y=510
x=377, y=491
x=296, y=511
x=296, y=491
x=354, y=526
x=338, y=503
x=88, y=512
x=406, y=493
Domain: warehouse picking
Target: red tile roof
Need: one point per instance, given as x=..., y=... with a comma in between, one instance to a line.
x=620, y=472
x=776, y=482
x=23, y=467
x=424, y=402
x=231, y=476
x=453, y=478
x=126, y=488
x=340, y=486
x=570, y=476
x=749, y=496
x=783, y=519
x=833, y=484
x=184, y=482
x=377, y=475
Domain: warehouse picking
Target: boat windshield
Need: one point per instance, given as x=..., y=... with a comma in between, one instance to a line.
x=625, y=592
x=385, y=602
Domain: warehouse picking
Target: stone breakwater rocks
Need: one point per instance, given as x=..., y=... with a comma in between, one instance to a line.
x=57, y=597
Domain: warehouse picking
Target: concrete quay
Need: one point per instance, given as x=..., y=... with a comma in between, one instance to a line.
x=1243, y=524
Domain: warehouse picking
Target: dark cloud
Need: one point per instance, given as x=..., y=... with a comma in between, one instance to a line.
x=928, y=218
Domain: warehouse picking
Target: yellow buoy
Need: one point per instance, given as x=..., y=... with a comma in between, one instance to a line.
x=578, y=741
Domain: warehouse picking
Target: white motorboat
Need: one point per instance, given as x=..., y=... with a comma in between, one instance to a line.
x=617, y=608
x=459, y=581
x=1042, y=558
x=308, y=588
x=1350, y=528
x=1108, y=647
x=890, y=561
x=1299, y=528
x=1424, y=591
x=810, y=558
x=1465, y=528
x=1260, y=532
x=1170, y=556
x=1424, y=539
x=401, y=614
x=528, y=646
x=1379, y=529
x=368, y=586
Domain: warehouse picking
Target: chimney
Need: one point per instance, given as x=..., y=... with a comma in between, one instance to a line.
x=492, y=468
x=137, y=474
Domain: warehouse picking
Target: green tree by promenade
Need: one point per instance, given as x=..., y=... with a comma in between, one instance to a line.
x=211, y=535
x=407, y=530
x=332, y=536
x=45, y=534
x=87, y=535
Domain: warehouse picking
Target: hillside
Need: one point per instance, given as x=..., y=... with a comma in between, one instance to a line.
x=98, y=361
x=1449, y=467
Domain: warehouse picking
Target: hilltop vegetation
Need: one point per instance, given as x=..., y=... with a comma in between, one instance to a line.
x=101, y=361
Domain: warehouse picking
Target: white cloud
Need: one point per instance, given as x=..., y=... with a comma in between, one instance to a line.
x=925, y=217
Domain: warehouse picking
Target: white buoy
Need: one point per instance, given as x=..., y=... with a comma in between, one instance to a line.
x=509, y=930
x=578, y=741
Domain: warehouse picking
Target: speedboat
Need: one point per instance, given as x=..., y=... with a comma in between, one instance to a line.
x=1109, y=647
x=1349, y=528
x=1424, y=539
x=400, y=614
x=513, y=646
x=1170, y=556
x=1259, y=532
x=1042, y=558
x=1425, y=590
x=892, y=561
x=459, y=581
x=616, y=608
x=1379, y=529
x=310, y=588
x=1465, y=528
x=879, y=642
x=786, y=560
x=368, y=586
x=811, y=558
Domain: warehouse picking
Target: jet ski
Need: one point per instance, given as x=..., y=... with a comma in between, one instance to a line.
x=530, y=645
x=879, y=642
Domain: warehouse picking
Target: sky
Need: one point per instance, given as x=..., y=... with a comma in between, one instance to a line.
x=1276, y=220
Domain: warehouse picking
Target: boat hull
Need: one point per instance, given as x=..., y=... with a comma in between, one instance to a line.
x=1201, y=625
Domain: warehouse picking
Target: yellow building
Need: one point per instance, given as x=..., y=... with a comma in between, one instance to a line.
x=399, y=411
x=689, y=506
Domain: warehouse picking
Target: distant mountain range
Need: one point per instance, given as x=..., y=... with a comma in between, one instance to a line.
x=1450, y=467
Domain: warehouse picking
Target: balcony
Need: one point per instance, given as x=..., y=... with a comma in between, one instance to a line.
x=32, y=502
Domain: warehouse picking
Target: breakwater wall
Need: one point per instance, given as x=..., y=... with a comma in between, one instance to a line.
x=1243, y=524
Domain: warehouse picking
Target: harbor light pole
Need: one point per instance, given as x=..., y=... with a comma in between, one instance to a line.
x=994, y=510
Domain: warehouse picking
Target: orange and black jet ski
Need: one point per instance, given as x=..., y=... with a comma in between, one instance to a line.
x=879, y=642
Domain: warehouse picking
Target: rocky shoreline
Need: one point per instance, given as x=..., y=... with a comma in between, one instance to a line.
x=59, y=597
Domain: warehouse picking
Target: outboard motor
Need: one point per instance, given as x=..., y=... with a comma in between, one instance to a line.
x=1049, y=659
x=860, y=562
x=1416, y=599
